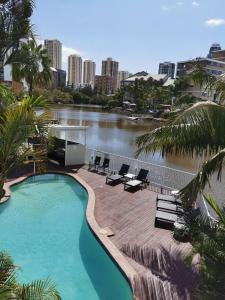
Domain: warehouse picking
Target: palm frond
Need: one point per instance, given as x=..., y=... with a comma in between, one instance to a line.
x=6, y=293
x=190, y=192
x=198, y=129
x=39, y=289
x=212, y=202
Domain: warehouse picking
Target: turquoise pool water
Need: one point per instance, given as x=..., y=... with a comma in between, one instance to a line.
x=44, y=228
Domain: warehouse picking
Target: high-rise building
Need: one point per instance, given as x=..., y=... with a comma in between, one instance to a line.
x=122, y=75
x=104, y=84
x=54, y=48
x=219, y=55
x=167, y=68
x=58, y=78
x=110, y=68
x=211, y=66
x=74, y=70
x=89, y=72
x=213, y=48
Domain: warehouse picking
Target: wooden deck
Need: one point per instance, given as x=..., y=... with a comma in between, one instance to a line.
x=131, y=217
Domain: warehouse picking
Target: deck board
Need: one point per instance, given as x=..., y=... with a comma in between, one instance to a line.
x=131, y=217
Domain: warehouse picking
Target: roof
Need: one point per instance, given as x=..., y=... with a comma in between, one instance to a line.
x=202, y=59
x=146, y=77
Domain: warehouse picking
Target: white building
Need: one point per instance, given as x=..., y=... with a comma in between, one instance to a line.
x=74, y=70
x=54, y=48
x=89, y=72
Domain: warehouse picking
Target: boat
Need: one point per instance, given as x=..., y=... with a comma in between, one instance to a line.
x=133, y=118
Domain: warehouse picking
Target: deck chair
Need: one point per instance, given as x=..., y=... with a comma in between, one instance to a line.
x=169, y=207
x=165, y=218
x=95, y=164
x=117, y=178
x=139, y=181
x=105, y=165
x=168, y=198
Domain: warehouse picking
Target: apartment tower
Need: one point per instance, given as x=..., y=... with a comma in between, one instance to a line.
x=122, y=75
x=54, y=48
x=74, y=70
x=110, y=68
x=89, y=72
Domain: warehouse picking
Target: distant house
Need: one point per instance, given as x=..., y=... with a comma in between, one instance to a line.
x=163, y=78
x=144, y=76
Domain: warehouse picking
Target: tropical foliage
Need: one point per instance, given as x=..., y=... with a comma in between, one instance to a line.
x=199, y=130
x=145, y=93
x=14, y=24
x=53, y=95
x=208, y=240
x=18, y=121
x=11, y=289
x=31, y=62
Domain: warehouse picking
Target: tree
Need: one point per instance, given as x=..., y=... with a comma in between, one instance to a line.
x=18, y=122
x=198, y=130
x=14, y=24
x=31, y=62
x=208, y=240
x=11, y=289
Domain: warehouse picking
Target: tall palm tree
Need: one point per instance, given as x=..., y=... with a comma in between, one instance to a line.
x=31, y=63
x=18, y=121
x=14, y=23
x=11, y=289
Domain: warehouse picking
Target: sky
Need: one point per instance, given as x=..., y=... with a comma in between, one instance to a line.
x=138, y=33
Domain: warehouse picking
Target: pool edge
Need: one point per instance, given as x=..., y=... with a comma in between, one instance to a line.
x=109, y=246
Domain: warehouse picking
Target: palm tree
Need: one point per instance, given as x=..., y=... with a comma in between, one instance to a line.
x=31, y=63
x=18, y=121
x=11, y=289
x=196, y=131
x=14, y=23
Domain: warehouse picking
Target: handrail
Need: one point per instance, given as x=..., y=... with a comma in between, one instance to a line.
x=142, y=161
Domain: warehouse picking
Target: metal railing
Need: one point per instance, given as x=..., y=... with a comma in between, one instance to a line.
x=159, y=176
x=161, y=179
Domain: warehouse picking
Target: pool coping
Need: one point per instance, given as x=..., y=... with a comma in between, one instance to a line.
x=129, y=272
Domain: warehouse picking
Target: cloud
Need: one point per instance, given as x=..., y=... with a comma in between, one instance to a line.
x=165, y=8
x=195, y=4
x=215, y=22
x=66, y=51
x=172, y=7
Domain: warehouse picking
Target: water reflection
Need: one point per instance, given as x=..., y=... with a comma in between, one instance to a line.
x=114, y=133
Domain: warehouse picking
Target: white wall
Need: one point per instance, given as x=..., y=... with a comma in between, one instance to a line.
x=74, y=155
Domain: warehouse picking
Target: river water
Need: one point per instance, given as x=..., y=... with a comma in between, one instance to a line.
x=115, y=133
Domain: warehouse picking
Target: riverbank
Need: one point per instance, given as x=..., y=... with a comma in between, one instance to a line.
x=116, y=110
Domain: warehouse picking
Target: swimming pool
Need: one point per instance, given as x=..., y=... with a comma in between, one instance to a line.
x=44, y=229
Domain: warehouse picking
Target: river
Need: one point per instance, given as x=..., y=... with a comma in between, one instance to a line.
x=115, y=133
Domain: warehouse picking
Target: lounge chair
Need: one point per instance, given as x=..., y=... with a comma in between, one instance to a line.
x=169, y=207
x=96, y=163
x=168, y=198
x=166, y=218
x=117, y=178
x=139, y=181
x=105, y=165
